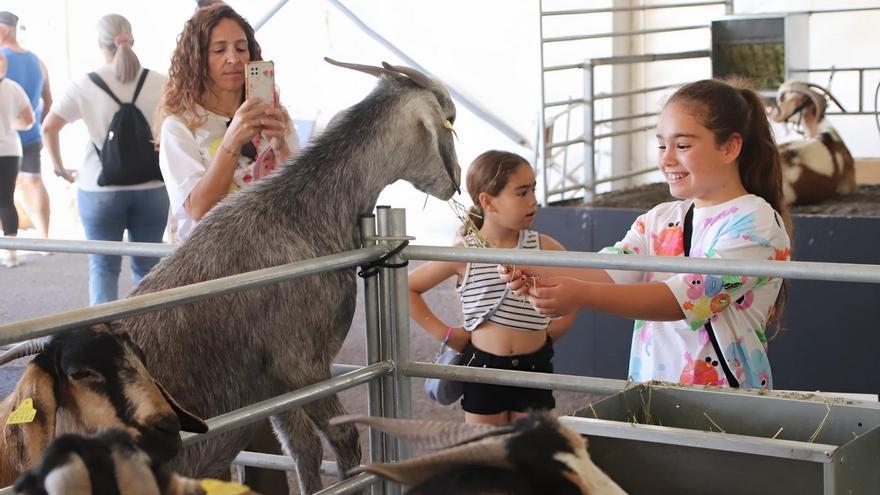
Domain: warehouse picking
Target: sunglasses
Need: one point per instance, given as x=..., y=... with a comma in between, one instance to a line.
x=248, y=149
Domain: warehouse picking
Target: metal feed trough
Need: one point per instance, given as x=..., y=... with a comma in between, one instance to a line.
x=662, y=438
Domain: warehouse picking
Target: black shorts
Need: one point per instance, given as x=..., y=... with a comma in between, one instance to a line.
x=30, y=158
x=481, y=398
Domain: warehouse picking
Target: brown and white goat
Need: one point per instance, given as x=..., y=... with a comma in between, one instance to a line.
x=820, y=165
x=83, y=381
x=534, y=455
x=109, y=462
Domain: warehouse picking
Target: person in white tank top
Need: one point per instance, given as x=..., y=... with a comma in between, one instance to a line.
x=500, y=330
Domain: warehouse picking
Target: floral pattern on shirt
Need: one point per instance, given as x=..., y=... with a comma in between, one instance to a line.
x=738, y=307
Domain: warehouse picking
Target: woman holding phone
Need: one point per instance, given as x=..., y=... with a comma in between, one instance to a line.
x=213, y=140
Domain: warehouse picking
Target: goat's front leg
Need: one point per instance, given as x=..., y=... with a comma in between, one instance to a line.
x=344, y=438
x=298, y=439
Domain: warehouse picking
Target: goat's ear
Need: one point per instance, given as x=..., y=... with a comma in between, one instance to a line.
x=188, y=421
x=432, y=124
x=33, y=437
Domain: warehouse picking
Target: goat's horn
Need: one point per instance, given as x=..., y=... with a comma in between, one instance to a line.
x=431, y=435
x=486, y=452
x=28, y=348
x=826, y=92
x=801, y=89
x=369, y=69
x=817, y=99
x=417, y=77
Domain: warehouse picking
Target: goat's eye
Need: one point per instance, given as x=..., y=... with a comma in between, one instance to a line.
x=85, y=374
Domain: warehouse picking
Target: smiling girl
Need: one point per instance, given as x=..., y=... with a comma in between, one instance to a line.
x=717, y=153
x=500, y=330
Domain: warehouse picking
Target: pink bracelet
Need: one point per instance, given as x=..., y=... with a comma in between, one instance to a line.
x=448, y=335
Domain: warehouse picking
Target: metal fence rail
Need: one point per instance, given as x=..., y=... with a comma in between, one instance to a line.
x=389, y=366
x=48, y=325
x=807, y=270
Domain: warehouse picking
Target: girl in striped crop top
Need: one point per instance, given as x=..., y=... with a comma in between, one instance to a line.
x=500, y=330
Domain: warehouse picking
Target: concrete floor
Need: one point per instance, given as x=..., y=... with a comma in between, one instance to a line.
x=43, y=285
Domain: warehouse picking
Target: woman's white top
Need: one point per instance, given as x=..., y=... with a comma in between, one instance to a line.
x=85, y=100
x=185, y=155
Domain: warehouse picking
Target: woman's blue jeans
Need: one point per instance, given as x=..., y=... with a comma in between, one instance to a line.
x=105, y=216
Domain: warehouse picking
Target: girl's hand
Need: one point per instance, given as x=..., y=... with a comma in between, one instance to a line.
x=246, y=123
x=516, y=280
x=556, y=296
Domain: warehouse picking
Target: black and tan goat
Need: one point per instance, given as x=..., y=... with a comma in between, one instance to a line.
x=227, y=352
x=820, y=165
x=83, y=381
x=112, y=463
x=535, y=455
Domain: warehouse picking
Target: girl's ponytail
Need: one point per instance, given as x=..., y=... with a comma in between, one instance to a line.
x=728, y=108
x=760, y=168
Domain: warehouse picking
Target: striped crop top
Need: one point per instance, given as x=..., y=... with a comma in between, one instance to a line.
x=484, y=296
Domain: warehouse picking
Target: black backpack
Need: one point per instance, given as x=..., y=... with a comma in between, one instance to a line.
x=128, y=156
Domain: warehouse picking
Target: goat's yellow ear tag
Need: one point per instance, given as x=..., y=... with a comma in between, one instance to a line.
x=24, y=413
x=218, y=487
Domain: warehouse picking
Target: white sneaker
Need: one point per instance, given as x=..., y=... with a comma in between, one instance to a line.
x=11, y=259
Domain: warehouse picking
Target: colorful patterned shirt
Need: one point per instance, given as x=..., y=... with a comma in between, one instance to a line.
x=738, y=308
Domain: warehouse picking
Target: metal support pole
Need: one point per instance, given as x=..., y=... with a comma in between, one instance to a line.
x=268, y=15
x=589, y=131
x=371, y=315
x=544, y=140
x=400, y=339
x=621, y=149
x=386, y=332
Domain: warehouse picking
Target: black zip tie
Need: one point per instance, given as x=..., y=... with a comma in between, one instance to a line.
x=371, y=269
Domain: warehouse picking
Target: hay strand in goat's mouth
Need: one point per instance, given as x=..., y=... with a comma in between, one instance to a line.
x=471, y=231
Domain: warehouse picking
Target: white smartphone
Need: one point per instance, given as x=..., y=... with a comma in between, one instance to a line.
x=260, y=77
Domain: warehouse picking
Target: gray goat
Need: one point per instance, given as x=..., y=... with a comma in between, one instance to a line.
x=237, y=349
x=535, y=455
x=83, y=381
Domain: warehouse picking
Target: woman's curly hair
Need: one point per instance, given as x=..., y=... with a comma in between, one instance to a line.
x=188, y=73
